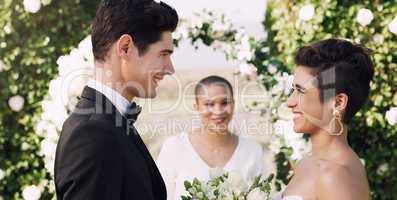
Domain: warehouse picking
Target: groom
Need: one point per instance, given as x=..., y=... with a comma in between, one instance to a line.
x=100, y=155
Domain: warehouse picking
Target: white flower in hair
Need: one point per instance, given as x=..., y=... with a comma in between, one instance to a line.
x=157, y=1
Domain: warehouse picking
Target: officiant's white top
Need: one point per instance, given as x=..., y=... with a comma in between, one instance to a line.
x=178, y=161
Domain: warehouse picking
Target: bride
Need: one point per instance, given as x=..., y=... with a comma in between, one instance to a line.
x=331, y=83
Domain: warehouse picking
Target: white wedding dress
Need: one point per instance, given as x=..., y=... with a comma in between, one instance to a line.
x=281, y=197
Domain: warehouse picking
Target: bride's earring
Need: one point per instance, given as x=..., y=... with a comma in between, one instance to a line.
x=338, y=120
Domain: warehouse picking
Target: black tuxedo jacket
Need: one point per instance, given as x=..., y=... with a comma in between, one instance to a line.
x=101, y=156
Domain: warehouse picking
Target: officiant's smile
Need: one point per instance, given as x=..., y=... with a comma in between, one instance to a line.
x=215, y=106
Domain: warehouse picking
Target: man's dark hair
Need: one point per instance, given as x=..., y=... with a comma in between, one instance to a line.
x=143, y=20
x=351, y=70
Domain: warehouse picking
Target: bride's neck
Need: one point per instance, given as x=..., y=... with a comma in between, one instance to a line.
x=324, y=144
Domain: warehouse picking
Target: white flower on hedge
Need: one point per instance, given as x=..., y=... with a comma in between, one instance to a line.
x=382, y=169
x=306, y=12
x=2, y=66
x=32, y=6
x=2, y=174
x=393, y=26
x=272, y=69
x=48, y=147
x=16, y=103
x=247, y=69
x=256, y=194
x=391, y=116
x=7, y=28
x=364, y=17
x=31, y=192
x=378, y=38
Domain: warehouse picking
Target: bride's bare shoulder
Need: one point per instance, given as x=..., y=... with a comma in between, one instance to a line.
x=338, y=181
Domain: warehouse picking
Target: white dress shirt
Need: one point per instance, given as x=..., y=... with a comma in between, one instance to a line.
x=120, y=102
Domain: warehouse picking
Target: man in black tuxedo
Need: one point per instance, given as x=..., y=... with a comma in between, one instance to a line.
x=100, y=155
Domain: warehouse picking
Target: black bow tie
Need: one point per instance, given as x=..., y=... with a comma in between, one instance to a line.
x=132, y=113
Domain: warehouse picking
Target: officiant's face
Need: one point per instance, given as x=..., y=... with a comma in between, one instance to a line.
x=215, y=105
x=142, y=71
x=309, y=113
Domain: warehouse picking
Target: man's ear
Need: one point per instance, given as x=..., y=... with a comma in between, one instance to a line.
x=125, y=45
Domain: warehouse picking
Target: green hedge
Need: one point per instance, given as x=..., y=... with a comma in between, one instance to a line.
x=30, y=44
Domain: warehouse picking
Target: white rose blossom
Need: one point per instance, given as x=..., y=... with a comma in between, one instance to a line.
x=31, y=192
x=391, y=116
x=393, y=26
x=32, y=6
x=247, y=69
x=272, y=69
x=16, y=103
x=256, y=194
x=364, y=17
x=306, y=12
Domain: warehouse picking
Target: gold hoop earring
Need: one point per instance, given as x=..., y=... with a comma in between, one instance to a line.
x=338, y=119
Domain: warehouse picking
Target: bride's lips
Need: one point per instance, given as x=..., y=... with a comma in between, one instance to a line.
x=296, y=114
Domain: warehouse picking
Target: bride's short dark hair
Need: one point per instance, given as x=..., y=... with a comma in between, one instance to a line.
x=342, y=66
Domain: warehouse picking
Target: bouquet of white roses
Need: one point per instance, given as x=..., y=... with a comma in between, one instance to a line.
x=229, y=186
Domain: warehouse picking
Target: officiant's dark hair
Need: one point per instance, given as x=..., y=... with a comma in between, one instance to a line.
x=213, y=80
x=143, y=20
x=342, y=66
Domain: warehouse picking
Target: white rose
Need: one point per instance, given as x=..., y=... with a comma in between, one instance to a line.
x=382, y=169
x=7, y=28
x=364, y=17
x=237, y=182
x=306, y=12
x=393, y=26
x=378, y=38
x=32, y=6
x=2, y=174
x=16, y=103
x=31, y=193
x=272, y=69
x=247, y=69
x=48, y=147
x=391, y=116
x=256, y=194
